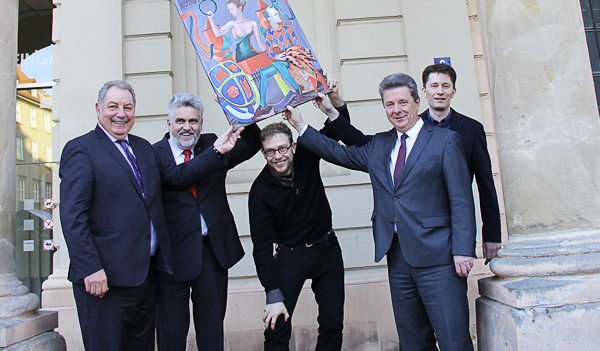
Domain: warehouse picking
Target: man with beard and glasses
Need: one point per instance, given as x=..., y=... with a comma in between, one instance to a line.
x=288, y=208
x=204, y=239
x=114, y=225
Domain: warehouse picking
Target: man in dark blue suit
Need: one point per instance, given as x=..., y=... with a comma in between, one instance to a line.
x=439, y=87
x=113, y=222
x=204, y=239
x=423, y=217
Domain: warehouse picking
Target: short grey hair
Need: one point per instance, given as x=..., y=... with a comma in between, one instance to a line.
x=184, y=100
x=114, y=83
x=399, y=80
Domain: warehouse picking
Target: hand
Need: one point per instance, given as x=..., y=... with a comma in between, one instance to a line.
x=210, y=14
x=96, y=283
x=280, y=57
x=324, y=104
x=294, y=118
x=334, y=96
x=463, y=265
x=226, y=141
x=272, y=312
x=490, y=250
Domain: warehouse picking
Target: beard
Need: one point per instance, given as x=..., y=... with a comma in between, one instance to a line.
x=186, y=142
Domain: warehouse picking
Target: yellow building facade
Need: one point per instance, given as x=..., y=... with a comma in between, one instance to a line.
x=34, y=167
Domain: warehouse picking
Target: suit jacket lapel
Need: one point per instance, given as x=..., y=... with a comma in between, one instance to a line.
x=142, y=163
x=113, y=150
x=422, y=140
x=389, y=140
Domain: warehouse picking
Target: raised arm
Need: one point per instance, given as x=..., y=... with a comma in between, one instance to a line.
x=246, y=147
x=209, y=161
x=350, y=157
x=218, y=31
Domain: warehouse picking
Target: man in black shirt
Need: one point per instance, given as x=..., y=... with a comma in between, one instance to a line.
x=288, y=207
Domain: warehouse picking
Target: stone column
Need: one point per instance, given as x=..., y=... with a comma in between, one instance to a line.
x=545, y=292
x=21, y=325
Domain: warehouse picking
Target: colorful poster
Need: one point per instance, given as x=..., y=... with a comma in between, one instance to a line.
x=255, y=56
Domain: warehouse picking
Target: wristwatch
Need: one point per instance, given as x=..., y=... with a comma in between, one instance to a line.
x=217, y=152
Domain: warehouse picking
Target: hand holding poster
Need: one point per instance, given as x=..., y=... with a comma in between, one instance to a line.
x=255, y=55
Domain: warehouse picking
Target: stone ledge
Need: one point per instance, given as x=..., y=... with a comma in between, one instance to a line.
x=50, y=341
x=528, y=292
x=23, y=327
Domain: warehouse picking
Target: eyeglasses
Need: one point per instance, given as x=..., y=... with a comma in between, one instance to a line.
x=282, y=151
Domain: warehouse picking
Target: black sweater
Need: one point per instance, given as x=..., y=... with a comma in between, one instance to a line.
x=291, y=214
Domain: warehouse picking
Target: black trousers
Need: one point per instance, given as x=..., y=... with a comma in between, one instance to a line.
x=122, y=320
x=209, y=301
x=324, y=265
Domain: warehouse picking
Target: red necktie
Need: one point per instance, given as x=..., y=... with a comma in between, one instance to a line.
x=188, y=156
x=400, y=160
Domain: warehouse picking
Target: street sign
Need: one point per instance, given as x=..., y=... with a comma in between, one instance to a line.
x=48, y=224
x=48, y=204
x=28, y=224
x=28, y=245
x=48, y=245
x=444, y=60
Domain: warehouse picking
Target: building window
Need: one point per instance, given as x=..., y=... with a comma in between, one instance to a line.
x=48, y=153
x=591, y=22
x=36, y=191
x=18, y=112
x=47, y=126
x=32, y=119
x=19, y=149
x=48, y=192
x=21, y=189
x=34, y=151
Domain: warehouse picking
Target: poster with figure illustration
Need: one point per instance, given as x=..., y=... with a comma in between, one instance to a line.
x=255, y=56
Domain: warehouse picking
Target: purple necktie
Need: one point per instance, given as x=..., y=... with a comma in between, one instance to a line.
x=133, y=162
x=400, y=160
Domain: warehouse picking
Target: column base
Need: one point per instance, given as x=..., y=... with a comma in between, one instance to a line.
x=50, y=341
x=544, y=296
x=26, y=327
x=549, y=325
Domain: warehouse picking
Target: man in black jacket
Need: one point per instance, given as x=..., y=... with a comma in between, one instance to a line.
x=288, y=207
x=204, y=239
x=439, y=87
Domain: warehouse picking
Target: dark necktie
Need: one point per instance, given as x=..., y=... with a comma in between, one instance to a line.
x=134, y=164
x=400, y=160
x=188, y=156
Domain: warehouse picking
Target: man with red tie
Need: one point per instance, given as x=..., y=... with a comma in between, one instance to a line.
x=203, y=236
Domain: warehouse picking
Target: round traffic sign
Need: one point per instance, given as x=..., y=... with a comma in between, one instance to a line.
x=48, y=224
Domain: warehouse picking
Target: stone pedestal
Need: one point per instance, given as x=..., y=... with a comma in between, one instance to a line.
x=544, y=296
x=545, y=292
x=22, y=327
